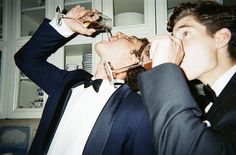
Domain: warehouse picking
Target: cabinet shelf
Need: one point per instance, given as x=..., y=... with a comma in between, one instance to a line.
x=36, y=15
x=69, y=4
x=25, y=79
x=73, y=2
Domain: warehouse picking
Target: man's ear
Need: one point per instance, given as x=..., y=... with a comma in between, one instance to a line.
x=222, y=37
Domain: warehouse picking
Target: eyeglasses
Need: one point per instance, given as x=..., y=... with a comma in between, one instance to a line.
x=103, y=24
x=145, y=61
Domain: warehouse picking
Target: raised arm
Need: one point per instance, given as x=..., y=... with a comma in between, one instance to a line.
x=32, y=57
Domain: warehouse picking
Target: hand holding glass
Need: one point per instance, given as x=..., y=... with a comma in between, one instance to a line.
x=145, y=61
x=102, y=24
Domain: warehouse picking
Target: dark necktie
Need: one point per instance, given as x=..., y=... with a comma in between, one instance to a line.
x=209, y=93
x=95, y=83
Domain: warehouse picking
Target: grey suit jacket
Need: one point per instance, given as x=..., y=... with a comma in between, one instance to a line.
x=176, y=117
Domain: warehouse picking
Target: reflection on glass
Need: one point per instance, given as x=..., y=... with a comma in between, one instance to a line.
x=30, y=95
x=145, y=61
x=171, y=4
x=128, y=12
x=32, y=14
x=231, y=3
x=1, y=18
x=78, y=56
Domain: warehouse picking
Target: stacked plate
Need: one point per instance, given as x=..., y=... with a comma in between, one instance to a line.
x=87, y=62
x=129, y=18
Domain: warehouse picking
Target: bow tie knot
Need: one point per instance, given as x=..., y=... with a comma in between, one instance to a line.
x=209, y=93
x=95, y=83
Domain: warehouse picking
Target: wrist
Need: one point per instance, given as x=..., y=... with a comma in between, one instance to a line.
x=62, y=28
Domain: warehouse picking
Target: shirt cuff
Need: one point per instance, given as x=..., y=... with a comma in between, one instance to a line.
x=63, y=29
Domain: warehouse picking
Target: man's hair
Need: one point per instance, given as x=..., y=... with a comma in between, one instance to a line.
x=131, y=78
x=212, y=15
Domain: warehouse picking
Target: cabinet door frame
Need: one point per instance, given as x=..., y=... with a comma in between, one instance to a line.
x=5, y=45
x=161, y=20
x=3, y=83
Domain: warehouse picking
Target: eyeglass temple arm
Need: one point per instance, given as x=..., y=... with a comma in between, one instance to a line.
x=123, y=69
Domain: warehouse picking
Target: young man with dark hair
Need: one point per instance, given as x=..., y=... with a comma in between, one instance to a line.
x=202, y=47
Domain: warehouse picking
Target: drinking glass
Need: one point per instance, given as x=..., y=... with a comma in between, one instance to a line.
x=102, y=24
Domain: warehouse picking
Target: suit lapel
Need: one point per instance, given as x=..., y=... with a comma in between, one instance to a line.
x=224, y=102
x=101, y=130
x=60, y=108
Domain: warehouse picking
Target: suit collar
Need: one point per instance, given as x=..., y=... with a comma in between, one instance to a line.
x=102, y=128
x=224, y=101
x=99, y=135
x=60, y=107
x=222, y=81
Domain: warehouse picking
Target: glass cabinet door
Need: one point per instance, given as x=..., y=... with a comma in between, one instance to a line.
x=28, y=99
x=132, y=17
x=68, y=4
x=78, y=53
x=231, y=3
x=31, y=16
x=171, y=4
x=127, y=13
x=0, y=72
x=1, y=19
x=78, y=56
x=30, y=95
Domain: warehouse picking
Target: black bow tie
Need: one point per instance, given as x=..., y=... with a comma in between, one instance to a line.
x=95, y=83
x=209, y=93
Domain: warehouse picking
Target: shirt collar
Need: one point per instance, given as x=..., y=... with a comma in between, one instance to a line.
x=221, y=82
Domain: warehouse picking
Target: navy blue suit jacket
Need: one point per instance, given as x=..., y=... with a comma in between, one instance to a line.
x=177, y=119
x=128, y=130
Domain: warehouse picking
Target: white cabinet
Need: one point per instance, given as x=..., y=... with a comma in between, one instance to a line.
x=20, y=97
x=27, y=99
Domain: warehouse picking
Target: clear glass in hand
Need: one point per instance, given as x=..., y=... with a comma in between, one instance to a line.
x=102, y=24
x=145, y=61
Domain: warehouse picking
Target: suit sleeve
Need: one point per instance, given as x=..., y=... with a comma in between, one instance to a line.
x=31, y=59
x=143, y=141
x=175, y=116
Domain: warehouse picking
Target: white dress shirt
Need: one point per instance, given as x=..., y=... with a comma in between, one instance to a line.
x=81, y=113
